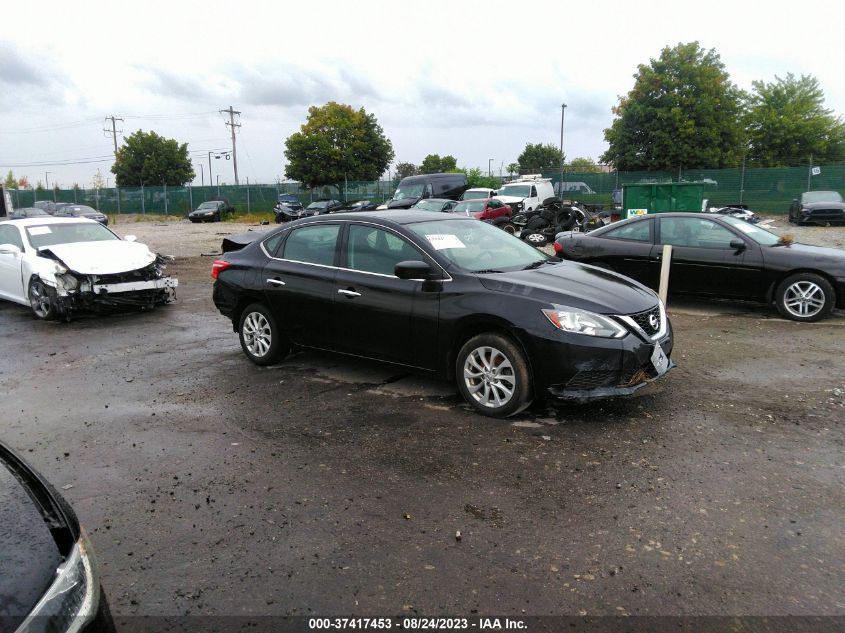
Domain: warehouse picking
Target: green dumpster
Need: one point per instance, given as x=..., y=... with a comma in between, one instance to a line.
x=643, y=198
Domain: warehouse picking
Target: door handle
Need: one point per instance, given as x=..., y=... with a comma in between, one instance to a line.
x=275, y=282
x=348, y=293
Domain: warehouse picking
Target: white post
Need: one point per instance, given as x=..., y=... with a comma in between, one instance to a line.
x=664, y=273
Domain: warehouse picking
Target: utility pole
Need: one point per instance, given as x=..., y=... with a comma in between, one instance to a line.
x=562, y=115
x=232, y=125
x=113, y=130
x=114, y=121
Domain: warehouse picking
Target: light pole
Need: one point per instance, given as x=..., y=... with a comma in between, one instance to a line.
x=202, y=176
x=562, y=114
x=489, y=162
x=46, y=179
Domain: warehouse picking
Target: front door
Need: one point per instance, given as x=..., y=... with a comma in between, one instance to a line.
x=11, y=283
x=377, y=314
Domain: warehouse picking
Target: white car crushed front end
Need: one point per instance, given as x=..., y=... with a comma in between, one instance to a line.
x=89, y=275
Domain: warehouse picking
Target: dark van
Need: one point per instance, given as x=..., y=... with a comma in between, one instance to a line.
x=414, y=188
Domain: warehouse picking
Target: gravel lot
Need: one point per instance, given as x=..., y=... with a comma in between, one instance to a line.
x=329, y=486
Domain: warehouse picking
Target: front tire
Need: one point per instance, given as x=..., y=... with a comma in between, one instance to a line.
x=261, y=340
x=42, y=300
x=805, y=297
x=492, y=375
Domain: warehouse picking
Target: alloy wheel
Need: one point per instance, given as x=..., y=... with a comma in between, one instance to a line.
x=804, y=299
x=39, y=300
x=257, y=334
x=489, y=377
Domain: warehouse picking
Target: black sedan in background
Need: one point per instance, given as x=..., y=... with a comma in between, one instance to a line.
x=717, y=256
x=442, y=205
x=81, y=211
x=285, y=213
x=48, y=573
x=449, y=296
x=818, y=207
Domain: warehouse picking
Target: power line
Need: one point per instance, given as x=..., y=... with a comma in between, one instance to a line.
x=70, y=161
x=51, y=128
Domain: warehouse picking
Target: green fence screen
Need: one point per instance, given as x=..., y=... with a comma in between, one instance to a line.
x=763, y=190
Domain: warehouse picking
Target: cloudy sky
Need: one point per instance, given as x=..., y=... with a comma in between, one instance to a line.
x=476, y=80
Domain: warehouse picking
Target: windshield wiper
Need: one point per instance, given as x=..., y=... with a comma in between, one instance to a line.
x=487, y=271
x=539, y=263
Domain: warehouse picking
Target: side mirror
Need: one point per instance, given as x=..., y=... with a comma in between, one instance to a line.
x=130, y=238
x=413, y=270
x=738, y=245
x=9, y=249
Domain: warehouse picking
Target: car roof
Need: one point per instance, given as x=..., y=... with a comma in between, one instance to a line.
x=481, y=189
x=42, y=220
x=436, y=200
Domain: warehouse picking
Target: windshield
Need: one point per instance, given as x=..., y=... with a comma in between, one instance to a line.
x=821, y=196
x=207, y=205
x=70, y=233
x=320, y=204
x=518, y=191
x=79, y=210
x=761, y=236
x=474, y=195
x=409, y=191
x=427, y=205
x=468, y=207
x=477, y=246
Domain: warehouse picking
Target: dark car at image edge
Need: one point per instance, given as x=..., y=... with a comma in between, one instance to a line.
x=717, y=256
x=48, y=573
x=447, y=296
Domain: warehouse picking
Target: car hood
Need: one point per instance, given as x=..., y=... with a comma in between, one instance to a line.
x=29, y=554
x=509, y=199
x=404, y=203
x=823, y=205
x=823, y=253
x=576, y=285
x=102, y=258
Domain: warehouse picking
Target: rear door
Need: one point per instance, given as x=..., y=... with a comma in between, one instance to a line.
x=299, y=283
x=378, y=315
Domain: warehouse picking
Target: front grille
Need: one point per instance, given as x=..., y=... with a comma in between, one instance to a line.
x=148, y=273
x=826, y=215
x=592, y=378
x=649, y=321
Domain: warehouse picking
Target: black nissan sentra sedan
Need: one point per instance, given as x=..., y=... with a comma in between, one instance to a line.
x=48, y=573
x=449, y=296
x=717, y=256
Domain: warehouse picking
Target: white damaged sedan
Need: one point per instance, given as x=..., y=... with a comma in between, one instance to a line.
x=58, y=266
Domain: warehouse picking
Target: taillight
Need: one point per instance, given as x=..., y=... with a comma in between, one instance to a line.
x=218, y=267
x=558, y=248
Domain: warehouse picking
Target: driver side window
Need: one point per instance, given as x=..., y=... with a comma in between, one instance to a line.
x=374, y=250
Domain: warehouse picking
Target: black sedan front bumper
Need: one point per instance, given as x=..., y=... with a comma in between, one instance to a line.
x=581, y=368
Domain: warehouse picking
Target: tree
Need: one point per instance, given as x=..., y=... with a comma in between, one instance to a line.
x=434, y=164
x=99, y=181
x=145, y=158
x=682, y=112
x=10, y=182
x=39, y=186
x=539, y=158
x=477, y=178
x=786, y=123
x=335, y=144
x=403, y=170
x=582, y=166
x=513, y=169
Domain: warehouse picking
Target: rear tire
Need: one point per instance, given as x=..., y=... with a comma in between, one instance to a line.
x=261, y=339
x=492, y=375
x=805, y=297
x=508, y=227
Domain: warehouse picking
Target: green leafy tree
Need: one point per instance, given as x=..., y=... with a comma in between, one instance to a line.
x=582, y=166
x=145, y=158
x=539, y=158
x=39, y=186
x=10, y=182
x=403, y=170
x=478, y=178
x=682, y=112
x=786, y=123
x=337, y=143
x=434, y=164
x=513, y=169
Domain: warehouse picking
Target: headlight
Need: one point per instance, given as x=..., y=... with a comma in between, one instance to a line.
x=583, y=322
x=67, y=283
x=71, y=601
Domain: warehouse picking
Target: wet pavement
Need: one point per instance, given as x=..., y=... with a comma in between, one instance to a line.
x=325, y=485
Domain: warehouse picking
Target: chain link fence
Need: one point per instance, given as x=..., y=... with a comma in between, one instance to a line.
x=767, y=190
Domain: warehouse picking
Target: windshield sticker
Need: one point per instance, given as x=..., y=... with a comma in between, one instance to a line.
x=440, y=242
x=39, y=230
